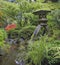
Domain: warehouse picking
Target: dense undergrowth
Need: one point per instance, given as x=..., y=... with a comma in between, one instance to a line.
x=43, y=50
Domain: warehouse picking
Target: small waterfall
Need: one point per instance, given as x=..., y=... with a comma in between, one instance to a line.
x=36, y=31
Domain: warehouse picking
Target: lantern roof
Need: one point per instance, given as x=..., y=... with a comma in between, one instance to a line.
x=39, y=12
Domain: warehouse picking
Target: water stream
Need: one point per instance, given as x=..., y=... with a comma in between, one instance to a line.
x=36, y=31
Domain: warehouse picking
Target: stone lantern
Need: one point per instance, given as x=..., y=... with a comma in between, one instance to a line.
x=42, y=16
x=42, y=19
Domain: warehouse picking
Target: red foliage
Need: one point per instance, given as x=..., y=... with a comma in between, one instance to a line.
x=9, y=27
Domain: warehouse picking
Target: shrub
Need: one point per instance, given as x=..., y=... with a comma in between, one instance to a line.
x=54, y=19
x=37, y=51
x=26, y=32
x=54, y=51
x=3, y=35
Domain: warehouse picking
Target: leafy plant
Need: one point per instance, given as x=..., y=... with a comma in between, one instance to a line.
x=26, y=32
x=54, y=19
x=37, y=51
x=3, y=35
x=53, y=51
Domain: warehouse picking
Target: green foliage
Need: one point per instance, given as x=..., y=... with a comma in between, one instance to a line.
x=31, y=19
x=9, y=10
x=26, y=32
x=37, y=51
x=3, y=35
x=53, y=49
x=54, y=55
x=25, y=6
x=54, y=19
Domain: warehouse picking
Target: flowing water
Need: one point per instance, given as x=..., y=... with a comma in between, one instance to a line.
x=36, y=31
